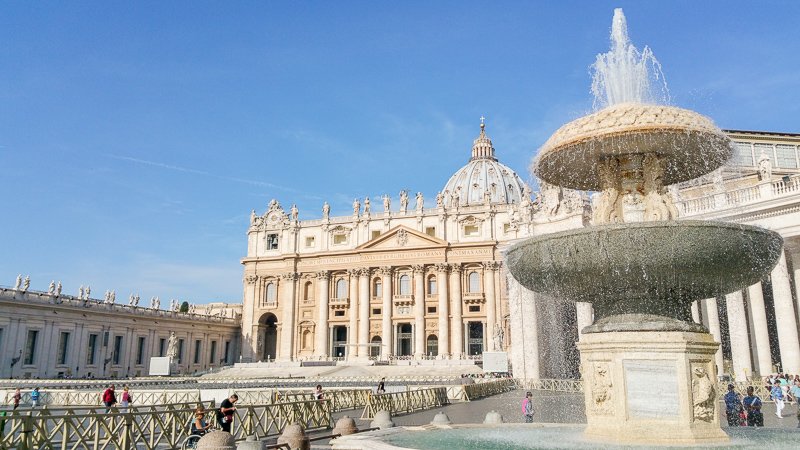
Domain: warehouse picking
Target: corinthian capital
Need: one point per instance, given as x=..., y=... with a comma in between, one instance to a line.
x=352, y=272
x=323, y=275
x=418, y=268
x=442, y=267
x=386, y=270
x=492, y=265
x=364, y=271
x=456, y=267
x=290, y=276
x=251, y=279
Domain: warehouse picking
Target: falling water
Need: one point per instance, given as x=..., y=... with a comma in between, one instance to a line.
x=625, y=74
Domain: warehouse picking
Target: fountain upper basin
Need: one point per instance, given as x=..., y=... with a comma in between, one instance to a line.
x=647, y=269
x=689, y=142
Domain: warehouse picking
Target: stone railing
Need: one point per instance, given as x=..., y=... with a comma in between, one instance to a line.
x=764, y=190
x=405, y=402
x=150, y=429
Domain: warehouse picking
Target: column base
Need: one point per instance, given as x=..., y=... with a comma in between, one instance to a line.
x=651, y=387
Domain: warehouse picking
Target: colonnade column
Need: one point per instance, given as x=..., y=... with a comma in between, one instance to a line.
x=386, y=312
x=491, y=308
x=755, y=295
x=785, y=318
x=321, y=345
x=737, y=330
x=712, y=315
x=456, y=323
x=419, y=311
x=352, y=301
x=443, y=310
x=585, y=316
x=287, y=315
x=363, y=313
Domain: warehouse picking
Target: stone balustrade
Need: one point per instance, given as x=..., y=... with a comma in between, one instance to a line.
x=739, y=197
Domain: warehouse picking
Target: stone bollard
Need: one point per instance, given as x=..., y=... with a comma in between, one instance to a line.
x=217, y=440
x=441, y=419
x=345, y=426
x=493, y=418
x=295, y=436
x=251, y=443
x=382, y=420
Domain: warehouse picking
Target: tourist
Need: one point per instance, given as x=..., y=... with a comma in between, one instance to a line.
x=199, y=426
x=35, y=397
x=109, y=398
x=318, y=394
x=752, y=406
x=16, y=398
x=225, y=412
x=733, y=407
x=777, y=396
x=381, y=386
x=126, y=398
x=527, y=407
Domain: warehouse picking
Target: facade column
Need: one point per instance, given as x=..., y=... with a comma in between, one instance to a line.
x=352, y=331
x=248, y=317
x=695, y=312
x=386, y=312
x=419, y=311
x=758, y=314
x=287, y=315
x=456, y=322
x=785, y=318
x=491, y=305
x=321, y=330
x=737, y=330
x=585, y=316
x=712, y=315
x=363, y=312
x=443, y=310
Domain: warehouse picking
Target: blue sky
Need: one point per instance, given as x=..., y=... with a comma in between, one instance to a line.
x=135, y=137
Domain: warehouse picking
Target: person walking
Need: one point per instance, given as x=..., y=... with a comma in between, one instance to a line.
x=109, y=398
x=225, y=412
x=126, y=398
x=527, y=407
x=777, y=396
x=16, y=398
x=752, y=406
x=733, y=407
x=35, y=397
x=381, y=386
x=318, y=394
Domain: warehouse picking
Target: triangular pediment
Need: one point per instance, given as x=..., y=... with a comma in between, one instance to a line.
x=401, y=237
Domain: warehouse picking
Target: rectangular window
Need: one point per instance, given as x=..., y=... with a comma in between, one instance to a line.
x=786, y=157
x=339, y=239
x=180, y=351
x=431, y=310
x=116, y=357
x=162, y=345
x=272, y=242
x=471, y=230
x=742, y=154
x=63, y=347
x=212, y=358
x=474, y=308
x=430, y=231
x=91, y=351
x=506, y=227
x=140, y=351
x=375, y=233
x=338, y=313
x=197, y=345
x=376, y=311
x=30, y=347
x=310, y=241
x=227, y=351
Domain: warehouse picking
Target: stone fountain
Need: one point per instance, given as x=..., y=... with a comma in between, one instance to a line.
x=649, y=372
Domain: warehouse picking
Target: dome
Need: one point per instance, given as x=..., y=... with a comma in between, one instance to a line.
x=483, y=174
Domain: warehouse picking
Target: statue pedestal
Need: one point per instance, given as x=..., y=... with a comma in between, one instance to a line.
x=651, y=387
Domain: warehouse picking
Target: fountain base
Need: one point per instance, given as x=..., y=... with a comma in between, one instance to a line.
x=650, y=387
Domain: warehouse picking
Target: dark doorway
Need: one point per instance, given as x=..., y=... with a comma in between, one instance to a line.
x=474, y=338
x=375, y=348
x=404, y=336
x=268, y=335
x=339, y=341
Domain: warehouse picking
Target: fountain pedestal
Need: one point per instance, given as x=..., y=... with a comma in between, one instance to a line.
x=651, y=387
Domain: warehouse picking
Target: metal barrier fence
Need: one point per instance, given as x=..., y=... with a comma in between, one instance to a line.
x=480, y=390
x=147, y=429
x=341, y=399
x=405, y=402
x=62, y=397
x=93, y=409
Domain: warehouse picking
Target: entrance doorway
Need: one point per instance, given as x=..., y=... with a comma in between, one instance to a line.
x=375, y=348
x=474, y=338
x=339, y=341
x=268, y=335
x=404, y=336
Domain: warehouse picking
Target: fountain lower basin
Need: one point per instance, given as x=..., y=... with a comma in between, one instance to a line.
x=644, y=276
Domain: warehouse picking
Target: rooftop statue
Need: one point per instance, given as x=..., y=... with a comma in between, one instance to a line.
x=18, y=283
x=420, y=202
x=356, y=207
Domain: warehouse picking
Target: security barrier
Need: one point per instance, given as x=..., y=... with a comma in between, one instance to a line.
x=405, y=402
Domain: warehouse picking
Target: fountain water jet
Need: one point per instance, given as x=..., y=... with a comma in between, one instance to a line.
x=649, y=371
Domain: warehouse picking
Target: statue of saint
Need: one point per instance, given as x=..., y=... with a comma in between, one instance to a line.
x=387, y=203
x=403, y=201
x=252, y=217
x=172, y=346
x=273, y=205
x=366, y=206
x=26, y=283
x=420, y=202
x=295, y=213
x=80, y=292
x=499, y=335
x=356, y=207
x=326, y=211
x=58, y=288
x=87, y=292
x=52, y=288
x=764, y=167
x=18, y=283
x=440, y=200
x=130, y=300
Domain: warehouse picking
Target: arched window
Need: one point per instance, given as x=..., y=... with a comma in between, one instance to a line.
x=377, y=288
x=405, y=285
x=271, y=293
x=432, y=285
x=474, y=282
x=341, y=288
x=433, y=345
x=308, y=291
x=306, y=339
